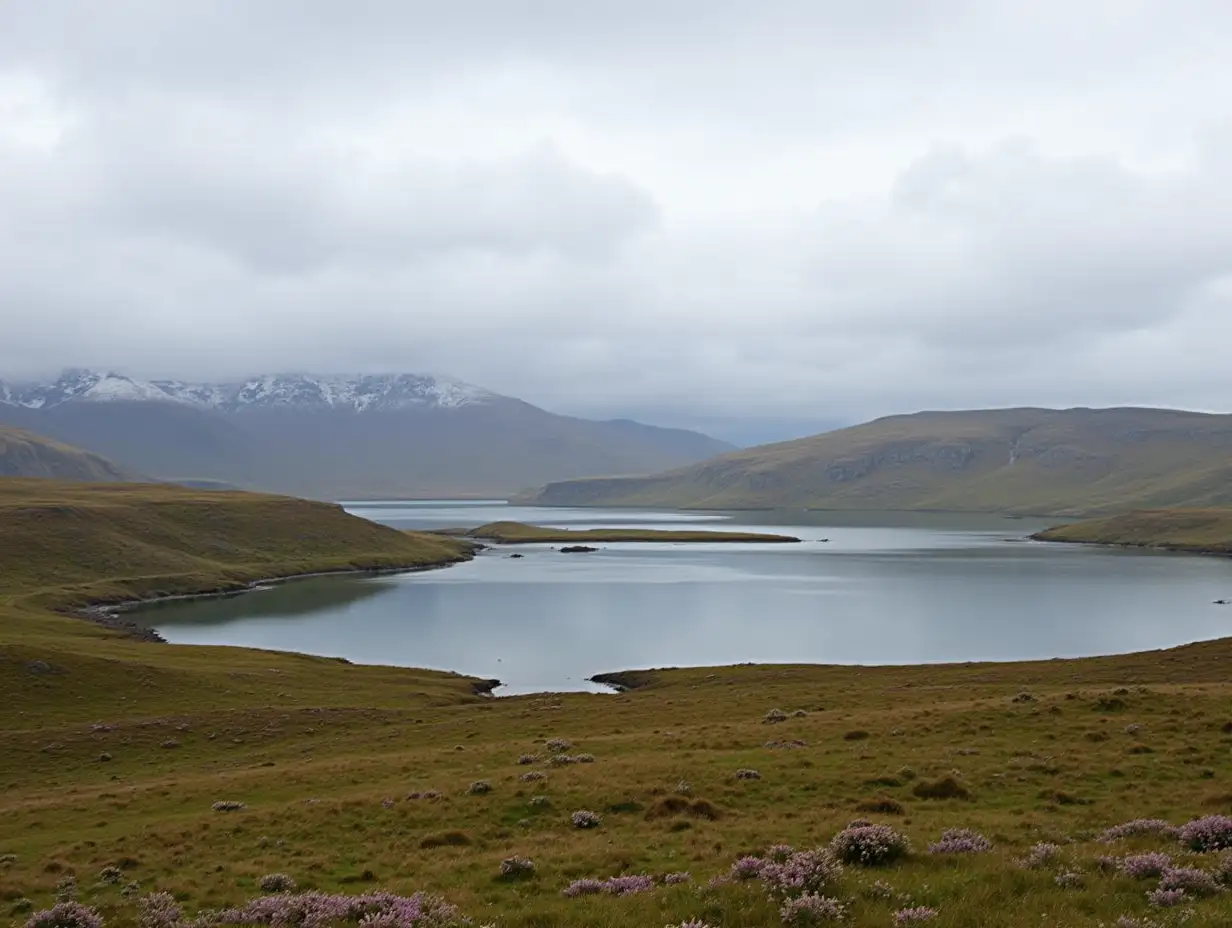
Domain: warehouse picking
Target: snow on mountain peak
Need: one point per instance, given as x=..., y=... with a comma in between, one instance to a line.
x=360, y=392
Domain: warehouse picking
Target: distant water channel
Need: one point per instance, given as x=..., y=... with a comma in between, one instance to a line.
x=879, y=589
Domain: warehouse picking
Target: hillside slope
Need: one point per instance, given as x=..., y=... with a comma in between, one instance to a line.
x=333, y=436
x=25, y=454
x=1013, y=460
x=1203, y=531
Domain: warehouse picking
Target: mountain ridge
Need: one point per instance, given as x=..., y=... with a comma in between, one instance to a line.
x=1026, y=460
x=25, y=454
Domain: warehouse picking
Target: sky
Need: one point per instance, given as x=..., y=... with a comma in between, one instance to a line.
x=752, y=217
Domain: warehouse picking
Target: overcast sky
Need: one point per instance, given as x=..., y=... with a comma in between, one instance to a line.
x=689, y=211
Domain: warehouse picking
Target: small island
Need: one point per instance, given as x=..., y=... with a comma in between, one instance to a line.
x=518, y=533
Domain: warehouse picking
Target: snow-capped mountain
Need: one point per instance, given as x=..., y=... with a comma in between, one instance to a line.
x=308, y=391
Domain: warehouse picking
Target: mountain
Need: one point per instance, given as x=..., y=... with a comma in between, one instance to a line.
x=24, y=454
x=335, y=436
x=1045, y=461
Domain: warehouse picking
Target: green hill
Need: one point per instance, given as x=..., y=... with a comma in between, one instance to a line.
x=1071, y=461
x=24, y=454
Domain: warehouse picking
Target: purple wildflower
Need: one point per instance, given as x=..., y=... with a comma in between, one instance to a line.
x=159, y=910
x=810, y=909
x=677, y=879
x=627, y=885
x=558, y=745
x=584, y=887
x=960, y=841
x=1166, y=898
x=869, y=845
x=66, y=915
x=1223, y=869
x=778, y=853
x=1140, y=826
x=803, y=873
x=1212, y=833
x=585, y=819
x=1145, y=866
x=532, y=776
x=1042, y=854
x=1193, y=881
x=747, y=868
x=919, y=913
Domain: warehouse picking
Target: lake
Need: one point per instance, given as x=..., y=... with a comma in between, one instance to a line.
x=861, y=589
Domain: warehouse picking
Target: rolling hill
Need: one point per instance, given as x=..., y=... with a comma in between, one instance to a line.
x=1045, y=461
x=401, y=435
x=25, y=454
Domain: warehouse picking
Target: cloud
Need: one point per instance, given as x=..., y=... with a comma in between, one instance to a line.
x=692, y=211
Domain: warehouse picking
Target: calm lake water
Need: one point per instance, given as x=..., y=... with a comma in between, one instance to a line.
x=880, y=589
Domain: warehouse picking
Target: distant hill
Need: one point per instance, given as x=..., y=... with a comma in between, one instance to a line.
x=25, y=454
x=340, y=436
x=1200, y=531
x=1045, y=461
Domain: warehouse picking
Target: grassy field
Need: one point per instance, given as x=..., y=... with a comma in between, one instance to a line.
x=1207, y=531
x=514, y=533
x=113, y=753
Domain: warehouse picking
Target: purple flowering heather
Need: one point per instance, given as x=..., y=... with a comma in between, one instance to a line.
x=276, y=883
x=532, y=776
x=584, y=818
x=692, y=923
x=517, y=867
x=747, y=868
x=1140, y=826
x=802, y=873
x=66, y=915
x=558, y=745
x=318, y=910
x=628, y=885
x=1145, y=866
x=159, y=910
x=228, y=805
x=677, y=879
x=1166, y=898
x=1070, y=879
x=809, y=909
x=919, y=913
x=960, y=841
x=526, y=759
x=1193, y=881
x=1212, y=833
x=869, y=845
x=584, y=887
x=778, y=853
x=1042, y=854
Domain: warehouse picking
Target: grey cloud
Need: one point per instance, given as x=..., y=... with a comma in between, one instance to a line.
x=697, y=212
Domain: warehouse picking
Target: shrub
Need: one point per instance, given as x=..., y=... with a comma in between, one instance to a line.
x=1223, y=869
x=585, y=819
x=66, y=915
x=429, y=794
x=539, y=801
x=583, y=758
x=1212, y=833
x=774, y=716
x=584, y=887
x=811, y=909
x=869, y=845
x=628, y=885
x=1145, y=866
x=445, y=839
x=479, y=787
x=1068, y=880
x=1140, y=826
x=158, y=910
x=779, y=853
x=560, y=760
x=919, y=913
x=110, y=876
x=677, y=879
x=858, y=734
x=527, y=759
x=228, y=805
x=744, y=773
x=944, y=788
x=802, y=873
x=532, y=776
x=960, y=841
x=883, y=805
x=1166, y=898
x=66, y=889
x=558, y=745
x=1190, y=880
x=692, y=923
x=516, y=867
x=1042, y=854
x=276, y=883
x=747, y=868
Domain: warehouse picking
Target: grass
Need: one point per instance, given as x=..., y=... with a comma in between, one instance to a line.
x=514, y=533
x=1025, y=461
x=1206, y=531
x=358, y=778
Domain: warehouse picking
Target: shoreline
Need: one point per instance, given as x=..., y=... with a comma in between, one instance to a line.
x=1158, y=547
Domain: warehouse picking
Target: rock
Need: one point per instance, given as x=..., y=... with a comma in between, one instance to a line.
x=577, y=549
x=517, y=555
x=40, y=667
